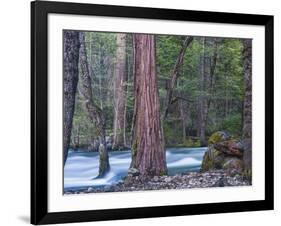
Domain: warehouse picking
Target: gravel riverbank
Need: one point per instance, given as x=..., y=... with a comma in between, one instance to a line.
x=214, y=178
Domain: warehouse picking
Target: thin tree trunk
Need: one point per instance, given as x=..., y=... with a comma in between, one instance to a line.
x=99, y=77
x=247, y=113
x=95, y=113
x=184, y=113
x=129, y=75
x=208, y=65
x=70, y=77
x=119, y=138
x=212, y=70
x=76, y=138
x=202, y=99
x=225, y=96
x=175, y=75
x=148, y=153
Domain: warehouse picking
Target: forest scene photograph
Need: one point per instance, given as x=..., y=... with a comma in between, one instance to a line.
x=154, y=111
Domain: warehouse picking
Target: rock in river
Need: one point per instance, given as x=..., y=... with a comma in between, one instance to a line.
x=224, y=152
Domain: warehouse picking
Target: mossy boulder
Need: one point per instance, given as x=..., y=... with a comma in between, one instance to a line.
x=219, y=136
x=224, y=152
x=213, y=159
x=233, y=163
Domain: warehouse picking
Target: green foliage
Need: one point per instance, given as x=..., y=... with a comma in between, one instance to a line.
x=224, y=94
x=172, y=134
x=233, y=124
x=82, y=126
x=166, y=54
x=191, y=142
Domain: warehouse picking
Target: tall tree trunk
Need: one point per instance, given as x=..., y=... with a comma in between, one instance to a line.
x=70, y=78
x=95, y=113
x=175, y=74
x=148, y=152
x=203, y=105
x=126, y=89
x=213, y=65
x=247, y=109
x=76, y=137
x=184, y=113
x=207, y=71
x=119, y=138
x=183, y=106
x=225, y=96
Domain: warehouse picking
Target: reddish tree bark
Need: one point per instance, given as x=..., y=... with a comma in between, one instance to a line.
x=70, y=80
x=148, y=153
x=119, y=139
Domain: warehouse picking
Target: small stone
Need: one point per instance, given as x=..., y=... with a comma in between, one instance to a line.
x=90, y=189
x=168, y=179
x=156, y=178
x=133, y=172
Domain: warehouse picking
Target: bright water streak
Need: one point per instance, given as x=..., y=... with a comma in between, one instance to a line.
x=82, y=167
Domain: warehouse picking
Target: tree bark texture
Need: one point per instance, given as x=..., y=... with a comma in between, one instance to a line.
x=119, y=139
x=95, y=113
x=175, y=74
x=148, y=152
x=70, y=80
x=207, y=71
x=184, y=114
x=203, y=105
x=247, y=109
x=213, y=65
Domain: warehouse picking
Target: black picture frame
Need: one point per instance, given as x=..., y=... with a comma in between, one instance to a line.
x=39, y=112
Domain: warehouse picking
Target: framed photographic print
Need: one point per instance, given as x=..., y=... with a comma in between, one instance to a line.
x=145, y=112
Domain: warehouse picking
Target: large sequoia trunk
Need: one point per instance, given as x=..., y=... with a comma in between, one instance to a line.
x=94, y=112
x=119, y=139
x=70, y=78
x=148, y=153
x=247, y=109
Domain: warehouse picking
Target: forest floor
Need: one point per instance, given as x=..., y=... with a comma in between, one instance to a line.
x=214, y=178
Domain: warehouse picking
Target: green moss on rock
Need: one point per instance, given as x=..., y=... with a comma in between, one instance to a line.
x=233, y=163
x=220, y=153
x=207, y=162
x=218, y=136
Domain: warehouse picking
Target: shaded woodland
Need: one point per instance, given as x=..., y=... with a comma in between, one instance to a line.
x=144, y=93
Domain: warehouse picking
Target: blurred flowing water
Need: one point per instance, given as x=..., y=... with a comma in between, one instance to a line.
x=81, y=167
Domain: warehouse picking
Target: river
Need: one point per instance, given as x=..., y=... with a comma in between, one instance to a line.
x=81, y=167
